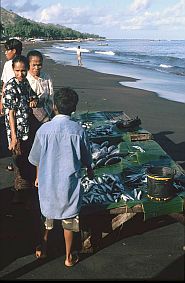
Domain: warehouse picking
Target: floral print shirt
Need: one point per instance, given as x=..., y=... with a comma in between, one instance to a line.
x=16, y=97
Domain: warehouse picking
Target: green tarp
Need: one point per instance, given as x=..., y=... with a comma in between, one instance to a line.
x=140, y=154
x=152, y=208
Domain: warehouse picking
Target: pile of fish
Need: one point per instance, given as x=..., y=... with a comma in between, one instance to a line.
x=111, y=188
x=105, y=154
x=108, y=188
x=136, y=178
x=105, y=189
x=103, y=130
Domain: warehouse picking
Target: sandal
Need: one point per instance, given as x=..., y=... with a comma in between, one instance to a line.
x=74, y=261
x=40, y=251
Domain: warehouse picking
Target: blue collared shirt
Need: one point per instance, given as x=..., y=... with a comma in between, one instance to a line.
x=60, y=149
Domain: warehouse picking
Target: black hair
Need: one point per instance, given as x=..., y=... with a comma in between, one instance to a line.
x=32, y=53
x=20, y=58
x=65, y=100
x=14, y=43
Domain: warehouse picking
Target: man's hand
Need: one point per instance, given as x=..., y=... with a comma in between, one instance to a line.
x=1, y=105
x=12, y=144
x=36, y=182
x=33, y=102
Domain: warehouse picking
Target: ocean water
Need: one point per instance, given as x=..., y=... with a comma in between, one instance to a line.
x=158, y=65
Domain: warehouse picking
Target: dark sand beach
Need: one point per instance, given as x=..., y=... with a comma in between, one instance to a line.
x=152, y=251
x=101, y=92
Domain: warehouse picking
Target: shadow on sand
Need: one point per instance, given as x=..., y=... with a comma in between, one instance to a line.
x=174, y=272
x=175, y=151
x=20, y=234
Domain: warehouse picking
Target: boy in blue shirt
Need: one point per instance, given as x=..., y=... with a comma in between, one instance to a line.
x=59, y=151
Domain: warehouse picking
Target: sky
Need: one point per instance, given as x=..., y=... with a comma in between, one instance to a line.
x=142, y=19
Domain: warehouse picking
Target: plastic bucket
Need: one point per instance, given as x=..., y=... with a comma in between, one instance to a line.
x=160, y=182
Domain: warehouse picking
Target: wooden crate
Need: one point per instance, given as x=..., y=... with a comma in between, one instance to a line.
x=97, y=225
x=140, y=136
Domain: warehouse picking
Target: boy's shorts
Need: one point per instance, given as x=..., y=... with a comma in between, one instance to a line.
x=71, y=224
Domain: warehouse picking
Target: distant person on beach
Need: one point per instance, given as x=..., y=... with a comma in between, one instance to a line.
x=79, y=56
x=19, y=99
x=12, y=47
x=59, y=150
x=42, y=85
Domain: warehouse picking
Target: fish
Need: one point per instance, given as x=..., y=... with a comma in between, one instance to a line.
x=129, y=196
x=104, y=149
x=116, y=154
x=110, y=198
x=85, y=200
x=91, y=198
x=95, y=147
x=123, y=197
x=112, y=160
x=96, y=155
x=104, y=189
x=139, y=148
x=135, y=193
x=108, y=187
x=139, y=195
x=116, y=150
x=101, y=162
x=111, y=148
x=104, y=144
x=100, y=180
x=118, y=187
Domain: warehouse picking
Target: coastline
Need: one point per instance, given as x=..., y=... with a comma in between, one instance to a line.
x=128, y=255
x=103, y=92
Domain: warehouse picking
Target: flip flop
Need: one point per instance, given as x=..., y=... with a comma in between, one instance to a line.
x=74, y=261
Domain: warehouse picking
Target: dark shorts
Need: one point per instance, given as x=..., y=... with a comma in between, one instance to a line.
x=71, y=224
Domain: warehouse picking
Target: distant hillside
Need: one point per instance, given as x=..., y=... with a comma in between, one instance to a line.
x=9, y=18
x=12, y=25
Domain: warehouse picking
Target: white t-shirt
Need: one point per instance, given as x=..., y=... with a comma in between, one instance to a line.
x=8, y=72
x=43, y=87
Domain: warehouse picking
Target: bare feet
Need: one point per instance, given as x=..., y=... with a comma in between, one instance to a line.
x=40, y=251
x=10, y=167
x=72, y=261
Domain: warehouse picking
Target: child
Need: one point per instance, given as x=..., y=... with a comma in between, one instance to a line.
x=17, y=108
x=59, y=150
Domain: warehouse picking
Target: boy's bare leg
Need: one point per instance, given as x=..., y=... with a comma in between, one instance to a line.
x=70, y=260
x=68, y=236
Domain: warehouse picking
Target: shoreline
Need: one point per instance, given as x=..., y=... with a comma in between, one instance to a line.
x=165, y=83
x=103, y=92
